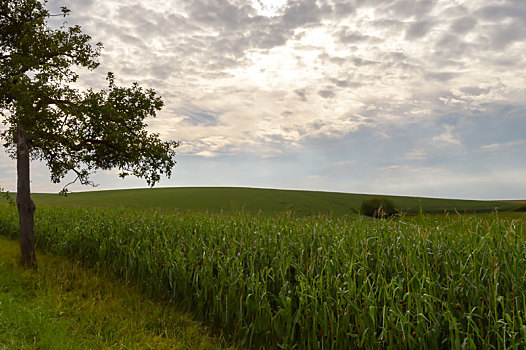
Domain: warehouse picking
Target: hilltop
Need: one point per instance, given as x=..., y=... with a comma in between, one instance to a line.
x=229, y=200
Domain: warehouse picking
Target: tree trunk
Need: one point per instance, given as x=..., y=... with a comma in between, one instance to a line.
x=26, y=207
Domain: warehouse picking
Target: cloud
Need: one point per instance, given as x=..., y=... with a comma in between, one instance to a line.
x=302, y=94
x=343, y=9
x=381, y=83
x=416, y=154
x=196, y=117
x=447, y=137
x=327, y=93
x=440, y=76
x=304, y=12
x=474, y=91
x=501, y=146
x=463, y=25
x=499, y=12
x=410, y=8
x=418, y=29
x=508, y=34
x=349, y=36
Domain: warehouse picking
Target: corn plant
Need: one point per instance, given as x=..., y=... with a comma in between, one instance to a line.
x=314, y=283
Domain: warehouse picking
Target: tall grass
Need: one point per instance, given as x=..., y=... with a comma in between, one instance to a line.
x=439, y=282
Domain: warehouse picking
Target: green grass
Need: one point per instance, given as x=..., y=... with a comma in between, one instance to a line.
x=453, y=281
x=63, y=305
x=231, y=200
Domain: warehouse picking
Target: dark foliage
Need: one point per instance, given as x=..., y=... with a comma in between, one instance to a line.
x=378, y=207
x=72, y=130
x=522, y=208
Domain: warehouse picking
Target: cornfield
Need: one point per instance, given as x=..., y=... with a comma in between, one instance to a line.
x=313, y=283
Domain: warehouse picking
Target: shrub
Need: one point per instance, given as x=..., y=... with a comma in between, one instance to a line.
x=378, y=207
x=522, y=208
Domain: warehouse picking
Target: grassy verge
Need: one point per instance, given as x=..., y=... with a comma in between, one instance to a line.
x=66, y=306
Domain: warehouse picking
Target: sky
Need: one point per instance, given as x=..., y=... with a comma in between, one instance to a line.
x=420, y=98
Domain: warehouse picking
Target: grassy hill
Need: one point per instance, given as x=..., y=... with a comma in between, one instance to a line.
x=254, y=200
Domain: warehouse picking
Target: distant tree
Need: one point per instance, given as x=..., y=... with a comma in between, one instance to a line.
x=378, y=207
x=69, y=129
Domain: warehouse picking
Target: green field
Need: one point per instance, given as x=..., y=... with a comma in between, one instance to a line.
x=230, y=200
x=261, y=268
x=454, y=281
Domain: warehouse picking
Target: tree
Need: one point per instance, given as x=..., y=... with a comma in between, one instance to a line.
x=71, y=130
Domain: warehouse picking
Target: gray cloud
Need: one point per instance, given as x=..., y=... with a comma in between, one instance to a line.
x=411, y=8
x=198, y=117
x=418, y=29
x=302, y=94
x=348, y=36
x=373, y=3
x=218, y=13
x=474, y=91
x=389, y=24
x=454, y=11
x=304, y=12
x=498, y=12
x=508, y=34
x=327, y=93
x=340, y=83
x=451, y=45
x=399, y=60
x=343, y=9
x=359, y=61
x=463, y=25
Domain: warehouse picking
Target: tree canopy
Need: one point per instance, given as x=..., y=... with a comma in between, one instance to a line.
x=70, y=129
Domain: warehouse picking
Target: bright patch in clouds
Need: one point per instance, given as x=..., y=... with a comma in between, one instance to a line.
x=269, y=8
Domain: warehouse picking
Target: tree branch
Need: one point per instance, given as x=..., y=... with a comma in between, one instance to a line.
x=82, y=178
x=7, y=197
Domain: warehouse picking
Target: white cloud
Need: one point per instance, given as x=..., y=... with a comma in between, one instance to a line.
x=416, y=154
x=447, y=137
x=501, y=146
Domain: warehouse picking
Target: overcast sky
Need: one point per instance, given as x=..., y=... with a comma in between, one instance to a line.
x=424, y=98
